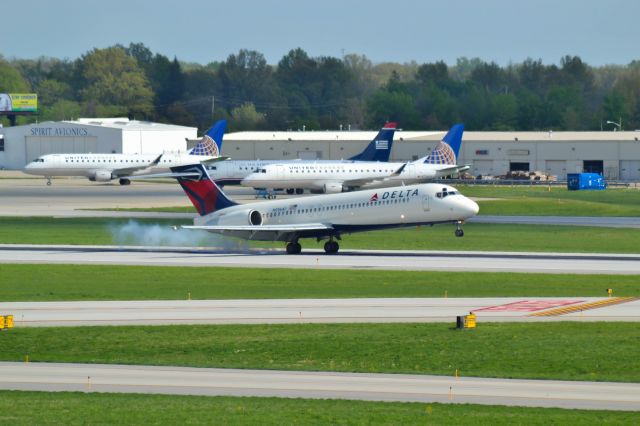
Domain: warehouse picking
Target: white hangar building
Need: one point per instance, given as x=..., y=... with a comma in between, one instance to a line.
x=21, y=144
x=614, y=154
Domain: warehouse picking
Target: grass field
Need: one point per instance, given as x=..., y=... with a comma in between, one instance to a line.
x=527, y=201
x=94, y=282
x=557, y=201
x=17, y=408
x=484, y=237
x=565, y=351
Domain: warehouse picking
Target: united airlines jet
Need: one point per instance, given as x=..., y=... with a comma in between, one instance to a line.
x=327, y=217
x=340, y=176
x=232, y=172
x=106, y=167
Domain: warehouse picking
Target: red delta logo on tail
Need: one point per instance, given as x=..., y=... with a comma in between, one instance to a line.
x=204, y=194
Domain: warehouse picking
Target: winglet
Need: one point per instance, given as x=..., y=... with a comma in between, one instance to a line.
x=399, y=171
x=156, y=161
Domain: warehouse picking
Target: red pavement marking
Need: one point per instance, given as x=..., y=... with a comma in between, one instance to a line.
x=528, y=306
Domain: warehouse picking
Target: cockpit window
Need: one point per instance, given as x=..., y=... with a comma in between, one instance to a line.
x=445, y=193
x=39, y=160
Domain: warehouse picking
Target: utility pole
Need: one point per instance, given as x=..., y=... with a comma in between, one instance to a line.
x=213, y=104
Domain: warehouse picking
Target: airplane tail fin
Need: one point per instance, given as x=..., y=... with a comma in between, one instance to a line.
x=211, y=142
x=379, y=148
x=446, y=152
x=203, y=192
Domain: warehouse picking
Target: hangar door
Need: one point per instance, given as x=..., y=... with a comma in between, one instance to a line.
x=482, y=167
x=557, y=168
x=36, y=146
x=630, y=170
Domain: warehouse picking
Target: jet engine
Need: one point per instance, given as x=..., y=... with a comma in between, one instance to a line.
x=101, y=176
x=241, y=218
x=332, y=188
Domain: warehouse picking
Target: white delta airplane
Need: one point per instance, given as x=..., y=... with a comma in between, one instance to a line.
x=232, y=172
x=340, y=176
x=106, y=167
x=325, y=217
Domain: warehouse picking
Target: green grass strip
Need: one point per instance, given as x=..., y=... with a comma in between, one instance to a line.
x=566, y=351
x=97, y=282
x=482, y=237
x=49, y=408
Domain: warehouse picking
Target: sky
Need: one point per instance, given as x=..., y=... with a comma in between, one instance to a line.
x=504, y=31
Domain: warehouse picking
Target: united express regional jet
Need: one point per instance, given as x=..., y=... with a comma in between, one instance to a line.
x=340, y=176
x=106, y=167
x=232, y=172
x=324, y=217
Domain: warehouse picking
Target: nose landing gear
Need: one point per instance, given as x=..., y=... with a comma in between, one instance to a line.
x=459, y=232
x=48, y=180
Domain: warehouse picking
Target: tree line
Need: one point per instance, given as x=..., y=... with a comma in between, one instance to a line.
x=325, y=92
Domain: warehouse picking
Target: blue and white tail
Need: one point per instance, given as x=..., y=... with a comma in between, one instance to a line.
x=379, y=148
x=203, y=192
x=211, y=143
x=446, y=152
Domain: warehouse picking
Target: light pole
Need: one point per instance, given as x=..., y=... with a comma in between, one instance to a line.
x=619, y=125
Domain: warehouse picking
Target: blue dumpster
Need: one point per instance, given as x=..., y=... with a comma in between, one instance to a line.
x=590, y=181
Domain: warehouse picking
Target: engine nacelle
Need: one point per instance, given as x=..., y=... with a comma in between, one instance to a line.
x=101, y=176
x=332, y=188
x=241, y=218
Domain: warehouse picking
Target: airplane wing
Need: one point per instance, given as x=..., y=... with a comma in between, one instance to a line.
x=126, y=171
x=364, y=181
x=453, y=170
x=268, y=232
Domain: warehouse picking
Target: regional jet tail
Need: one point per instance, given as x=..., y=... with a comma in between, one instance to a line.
x=446, y=153
x=379, y=149
x=325, y=217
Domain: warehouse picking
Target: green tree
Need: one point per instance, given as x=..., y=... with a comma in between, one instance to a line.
x=11, y=81
x=114, y=80
x=245, y=117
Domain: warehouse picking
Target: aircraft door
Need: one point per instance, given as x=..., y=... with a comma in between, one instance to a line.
x=425, y=203
x=280, y=172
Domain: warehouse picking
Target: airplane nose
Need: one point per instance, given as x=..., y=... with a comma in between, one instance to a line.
x=469, y=208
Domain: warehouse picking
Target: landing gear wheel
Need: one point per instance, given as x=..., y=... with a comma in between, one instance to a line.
x=124, y=181
x=290, y=191
x=294, y=248
x=459, y=233
x=48, y=181
x=331, y=247
x=299, y=191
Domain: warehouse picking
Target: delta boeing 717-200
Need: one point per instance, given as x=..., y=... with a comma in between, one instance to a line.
x=323, y=217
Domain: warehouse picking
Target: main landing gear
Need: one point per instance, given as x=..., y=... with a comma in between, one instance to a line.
x=48, y=180
x=124, y=181
x=294, y=247
x=331, y=247
x=459, y=231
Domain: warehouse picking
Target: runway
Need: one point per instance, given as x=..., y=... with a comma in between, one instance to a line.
x=576, y=263
x=290, y=384
x=300, y=311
